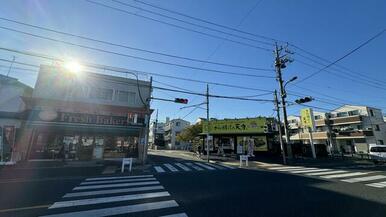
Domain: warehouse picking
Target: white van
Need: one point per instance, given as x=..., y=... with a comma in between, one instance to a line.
x=377, y=152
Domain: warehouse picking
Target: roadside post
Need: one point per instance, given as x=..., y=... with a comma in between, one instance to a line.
x=308, y=121
x=126, y=161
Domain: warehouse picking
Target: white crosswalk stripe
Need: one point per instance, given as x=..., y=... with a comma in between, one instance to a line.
x=364, y=179
x=194, y=166
x=325, y=173
x=344, y=175
x=118, y=177
x=132, y=198
x=159, y=169
x=115, y=185
x=284, y=167
x=226, y=166
x=185, y=168
x=117, y=181
x=204, y=166
x=216, y=166
x=309, y=170
x=377, y=184
x=171, y=168
x=297, y=169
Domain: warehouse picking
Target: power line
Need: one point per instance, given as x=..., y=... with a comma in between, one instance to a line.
x=129, y=47
x=190, y=23
x=344, y=56
x=136, y=57
x=206, y=21
x=110, y=68
x=181, y=27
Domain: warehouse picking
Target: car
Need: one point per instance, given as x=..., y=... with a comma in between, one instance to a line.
x=377, y=153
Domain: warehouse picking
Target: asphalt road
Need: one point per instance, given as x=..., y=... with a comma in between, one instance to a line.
x=217, y=192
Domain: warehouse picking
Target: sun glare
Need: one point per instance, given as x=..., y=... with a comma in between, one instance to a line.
x=73, y=66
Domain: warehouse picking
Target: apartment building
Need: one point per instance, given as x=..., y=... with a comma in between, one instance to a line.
x=172, y=129
x=348, y=129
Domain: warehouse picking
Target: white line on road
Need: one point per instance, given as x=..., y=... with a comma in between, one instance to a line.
x=297, y=169
x=113, y=191
x=194, y=166
x=118, y=177
x=171, y=168
x=364, y=179
x=344, y=175
x=115, y=185
x=326, y=173
x=159, y=169
x=180, y=165
x=226, y=166
x=205, y=166
x=215, y=166
x=176, y=215
x=377, y=184
x=108, y=199
x=286, y=167
x=309, y=170
x=119, y=210
x=117, y=181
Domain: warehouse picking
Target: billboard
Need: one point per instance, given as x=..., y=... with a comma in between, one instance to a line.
x=307, y=118
x=235, y=126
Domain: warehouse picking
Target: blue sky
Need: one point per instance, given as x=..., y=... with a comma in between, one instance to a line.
x=327, y=28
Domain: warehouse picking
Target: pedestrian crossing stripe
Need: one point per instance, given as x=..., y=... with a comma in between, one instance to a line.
x=284, y=167
x=115, y=185
x=159, y=169
x=194, y=166
x=364, y=179
x=325, y=173
x=117, y=181
x=204, y=166
x=176, y=215
x=297, y=169
x=118, y=177
x=119, y=210
x=377, y=184
x=344, y=175
x=171, y=168
x=185, y=168
x=113, y=191
x=215, y=166
x=309, y=170
x=100, y=200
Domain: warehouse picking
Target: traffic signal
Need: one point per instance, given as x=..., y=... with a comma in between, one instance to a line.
x=181, y=100
x=304, y=100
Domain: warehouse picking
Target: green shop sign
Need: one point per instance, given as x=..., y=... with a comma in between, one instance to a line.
x=247, y=125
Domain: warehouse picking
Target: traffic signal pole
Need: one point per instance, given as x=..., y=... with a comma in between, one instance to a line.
x=207, y=118
x=278, y=65
x=279, y=124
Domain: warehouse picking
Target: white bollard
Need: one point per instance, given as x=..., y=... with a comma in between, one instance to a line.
x=243, y=158
x=126, y=161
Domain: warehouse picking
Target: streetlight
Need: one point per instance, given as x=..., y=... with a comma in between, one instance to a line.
x=287, y=82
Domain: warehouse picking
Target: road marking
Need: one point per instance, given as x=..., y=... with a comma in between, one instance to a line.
x=113, y=191
x=267, y=164
x=226, y=166
x=115, y=185
x=216, y=166
x=297, y=169
x=24, y=208
x=119, y=210
x=377, y=184
x=205, y=166
x=194, y=166
x=309, y=170
x=326, y=173
x=117, y=177
x=282, y=168
x=180, y=165
x=176, y=215
x=171, y=168
x=159, y=169
x=364, y=179
x=108, y=199
x=109, y=170
x=344, y=175
x=117, y=181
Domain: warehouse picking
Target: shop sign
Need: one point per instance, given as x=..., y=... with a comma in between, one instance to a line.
x=307, y=118
x=250, y=125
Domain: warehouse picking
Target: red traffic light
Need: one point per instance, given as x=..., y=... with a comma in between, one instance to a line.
x=181, y=100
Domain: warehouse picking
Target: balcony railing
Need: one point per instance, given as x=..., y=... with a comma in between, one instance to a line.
x=345, y=120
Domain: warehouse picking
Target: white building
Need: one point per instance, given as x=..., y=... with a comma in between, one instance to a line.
x=12, y=107
x=172, y=129
x=346, y=129
x=159, y=131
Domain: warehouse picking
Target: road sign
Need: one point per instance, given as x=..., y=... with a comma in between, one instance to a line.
x=307, y=118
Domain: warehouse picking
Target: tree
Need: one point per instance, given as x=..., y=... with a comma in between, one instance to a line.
x=191, y=135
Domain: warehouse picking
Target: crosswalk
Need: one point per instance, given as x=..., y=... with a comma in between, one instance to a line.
x=141, y=195
x=368, y=178
x=189, y=167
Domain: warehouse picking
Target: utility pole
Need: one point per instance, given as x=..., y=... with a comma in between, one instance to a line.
x=10, y=67
x=155, y=130
x=147, y=124
x=207, y=118
x=279, y=64
x=277, y=109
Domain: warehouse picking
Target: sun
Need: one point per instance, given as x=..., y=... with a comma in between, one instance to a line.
x=73, y=66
